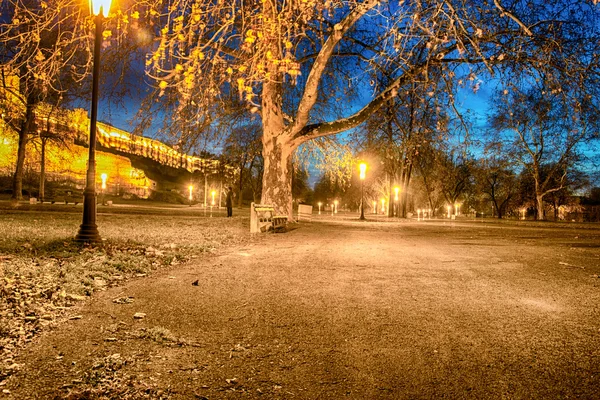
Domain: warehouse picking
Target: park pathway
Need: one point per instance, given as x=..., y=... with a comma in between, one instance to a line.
x=344, y=310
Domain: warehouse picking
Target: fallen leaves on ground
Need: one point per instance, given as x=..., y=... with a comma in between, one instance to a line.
x=39, y=290
x=107, y=379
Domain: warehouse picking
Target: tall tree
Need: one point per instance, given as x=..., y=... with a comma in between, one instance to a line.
x=542, y=129
x=496, y=179
x=41, y=44
x=242, y=150
x=291, y=61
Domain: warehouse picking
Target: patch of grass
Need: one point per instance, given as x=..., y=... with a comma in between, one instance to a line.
x=157, y=334
x=43, y=271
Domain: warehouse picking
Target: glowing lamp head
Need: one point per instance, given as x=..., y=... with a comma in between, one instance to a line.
x=100, y=7
x=363, y=170
x=103, y=177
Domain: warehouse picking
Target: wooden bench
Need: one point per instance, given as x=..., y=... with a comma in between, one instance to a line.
x=263, y=218
x=68, y=197
x=304, y=212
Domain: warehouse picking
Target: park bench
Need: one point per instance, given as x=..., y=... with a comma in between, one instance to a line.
x=60, y=197
x=304, y=212
x=263, y=218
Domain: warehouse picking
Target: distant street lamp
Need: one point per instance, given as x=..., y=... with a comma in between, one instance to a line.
x=396, y=190
x=213, y=198
x=449, y=208
x=103, y=177
x=456, y=205
x=374, y=207
x=320, y=204
x=418, y=214
x=88, y=231
x=191, y=188
x=363, y=173
x=383, y=206
x=336, y=204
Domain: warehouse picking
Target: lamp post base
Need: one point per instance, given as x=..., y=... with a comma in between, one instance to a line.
x=88, y=231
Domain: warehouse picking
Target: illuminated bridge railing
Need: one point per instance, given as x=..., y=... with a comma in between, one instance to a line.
x=122, y=141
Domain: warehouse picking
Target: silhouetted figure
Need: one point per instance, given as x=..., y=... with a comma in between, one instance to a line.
x=229, y=202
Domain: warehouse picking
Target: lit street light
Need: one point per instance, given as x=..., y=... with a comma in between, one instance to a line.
x=374, y=207
x=320, y=204
x=383, y=206
x=449, y=208
x=396, y=190
x=103, y=177
x=191, y=187
x=336, y=204
x=88, y=231
x=212, y=203
x=363, y=173
x=456, y=205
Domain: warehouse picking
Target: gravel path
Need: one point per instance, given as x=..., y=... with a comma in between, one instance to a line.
x=344, y=309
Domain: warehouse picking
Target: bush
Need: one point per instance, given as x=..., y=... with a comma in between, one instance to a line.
x=167, y=197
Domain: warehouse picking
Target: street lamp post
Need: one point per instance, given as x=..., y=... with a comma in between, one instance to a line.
x=103, y=177
x=320, y=204
x=396, y=190
x=191, y=188
x=363, y=172
x=212, y=203
x=88, y=231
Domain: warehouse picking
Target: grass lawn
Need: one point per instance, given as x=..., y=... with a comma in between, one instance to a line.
x=43, y=272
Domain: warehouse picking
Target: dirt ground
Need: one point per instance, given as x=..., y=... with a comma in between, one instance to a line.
x=343, y=309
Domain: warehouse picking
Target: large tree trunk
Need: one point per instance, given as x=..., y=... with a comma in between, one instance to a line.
x=241, y=183
x=539, y=195
x=42, y=170
x=277, y=175
x=278, y=150
x=539, y=198
x=17, y=193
